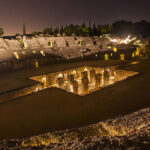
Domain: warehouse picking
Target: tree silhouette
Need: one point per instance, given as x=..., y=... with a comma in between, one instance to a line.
x=24, y=29
x=1, y=31
x=48, y=31
x=56, y=31
x=34, y=33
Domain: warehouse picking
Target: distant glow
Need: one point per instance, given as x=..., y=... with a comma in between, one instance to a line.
x=79, y=43
x=109, y=47
x=115, y=49
x=60, y=75
x=37, y=89
x=51, y=44
x=138, y=42
x=102, y=82
x=17, y=55
x=23, y=52
x=42, y=52
x=112, y=78
x=71, y=88
x=25, y=45
x=123, y=41
x=127, y=40
x=134, y=63
x=44, y=79
x=106, y=57
x=85, y=69
x=114, y=40
x=137, y=51
x=133, y=55
x=74, y=71
x=36, y=64
x=121, y=56
x=134, y=38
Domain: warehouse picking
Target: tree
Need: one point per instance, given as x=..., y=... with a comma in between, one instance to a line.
x=123, y=28
x=142, y=28
x=48, y=31
x=84, y=30
x=83, y=25
x=61, y=30
x=34, y=33
x=90, y=30
x=56, y=31
x=109, y=28
x=94, y=29
x=24, y=29
x=1, y=31
x=68, y=30
x=18, y=34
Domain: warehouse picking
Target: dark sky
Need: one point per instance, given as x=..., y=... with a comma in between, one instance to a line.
x=38, y=14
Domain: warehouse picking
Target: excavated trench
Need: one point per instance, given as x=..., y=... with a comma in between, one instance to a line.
x=79, y=81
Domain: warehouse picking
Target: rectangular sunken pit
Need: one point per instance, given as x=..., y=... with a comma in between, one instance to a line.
x=83, y=80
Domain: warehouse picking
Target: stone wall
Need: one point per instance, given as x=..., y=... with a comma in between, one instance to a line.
x=9, y=96
x=24, y=53
x=9, y=47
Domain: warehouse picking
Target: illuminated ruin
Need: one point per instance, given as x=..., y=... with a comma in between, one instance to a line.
x=84, y=80
x=25, y=52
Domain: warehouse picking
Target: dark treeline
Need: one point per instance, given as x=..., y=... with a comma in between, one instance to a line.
x=123, y=28
x=118, y=28
x=78, y=30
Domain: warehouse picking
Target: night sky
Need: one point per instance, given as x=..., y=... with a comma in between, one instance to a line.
x=38, y=14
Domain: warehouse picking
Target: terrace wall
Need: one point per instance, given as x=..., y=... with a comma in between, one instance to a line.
x=6, y=97
x=14, y=55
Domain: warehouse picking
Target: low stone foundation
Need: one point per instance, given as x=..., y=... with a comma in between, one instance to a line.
x=6, y=97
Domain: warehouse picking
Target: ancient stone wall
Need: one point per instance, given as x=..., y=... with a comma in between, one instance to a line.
x=15, y=51
x=9, y=96
x=43, y=43
x=24, y=53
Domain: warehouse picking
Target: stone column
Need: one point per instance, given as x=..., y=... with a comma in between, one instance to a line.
x=84, y=74
x=106, y=77
x=85, y=85
x=60, y=81
x=44, y=81
x=92, y=75
x=75, y=87
x=113, y=74
x=70, y=78
x=98, y=78
x=51, y=79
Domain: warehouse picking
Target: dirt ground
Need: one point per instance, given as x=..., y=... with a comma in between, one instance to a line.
x=54, y=109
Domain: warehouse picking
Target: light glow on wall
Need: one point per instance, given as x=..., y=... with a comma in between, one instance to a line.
x=16, y=55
